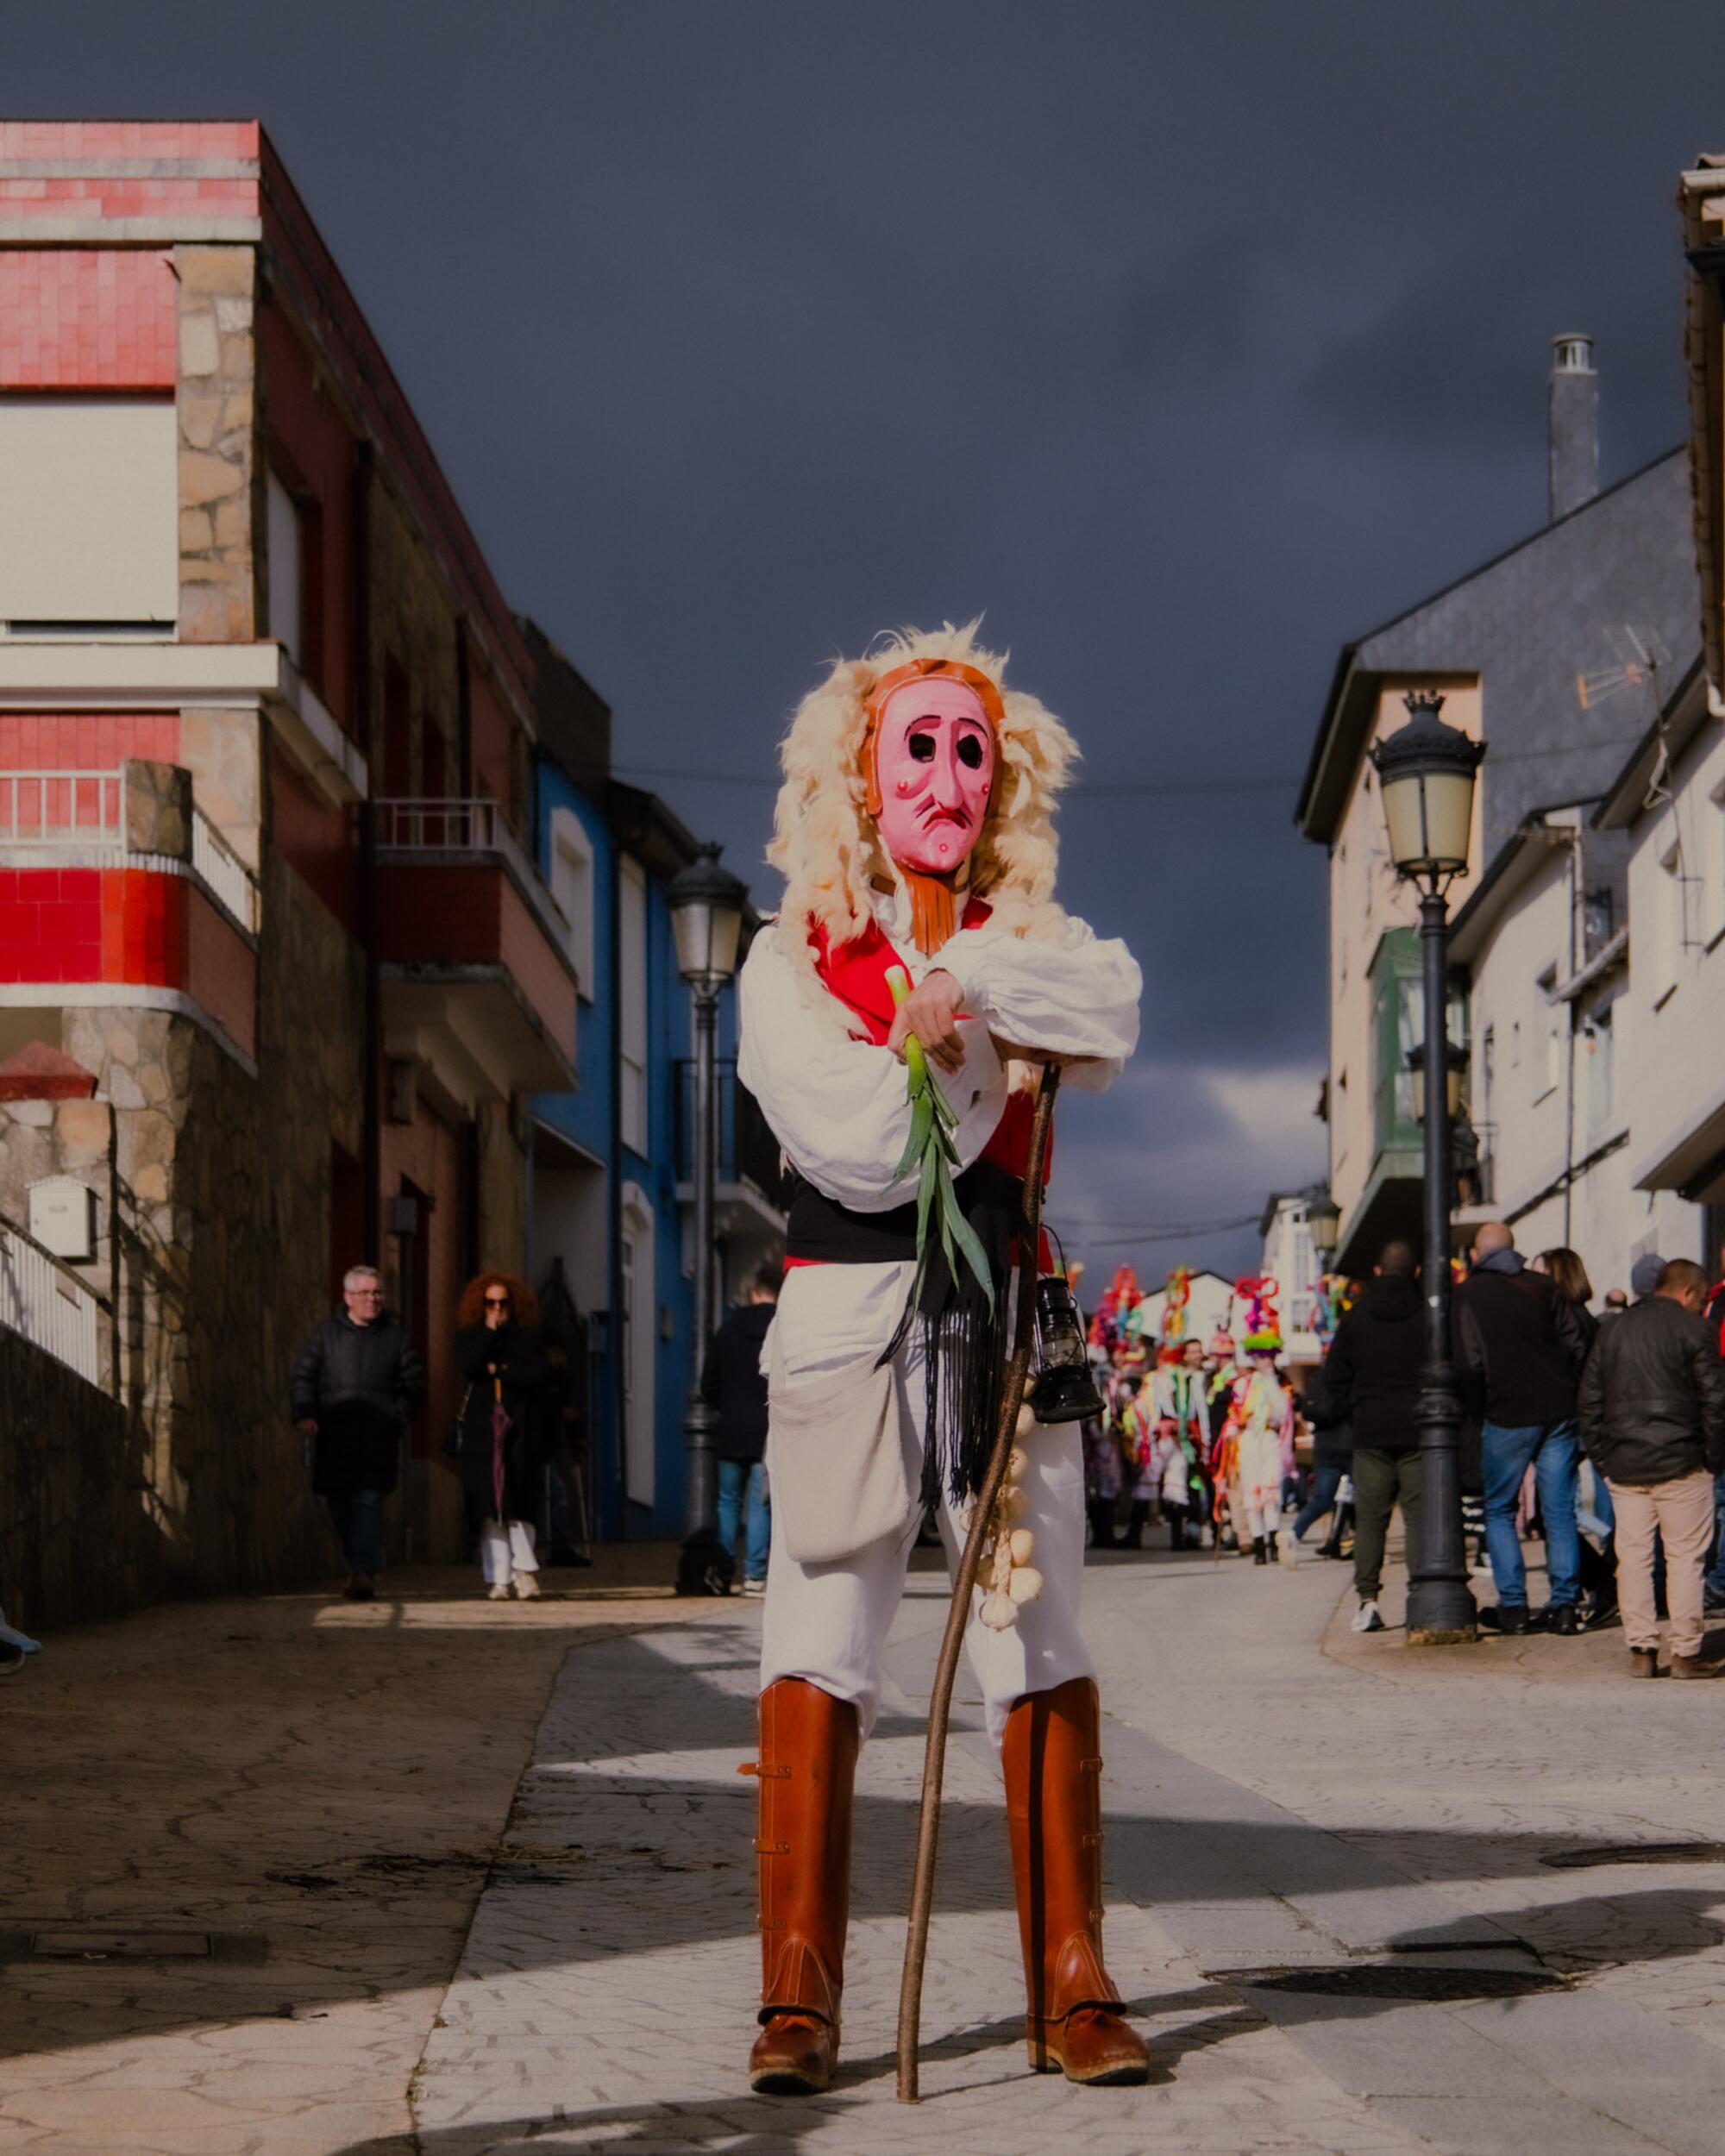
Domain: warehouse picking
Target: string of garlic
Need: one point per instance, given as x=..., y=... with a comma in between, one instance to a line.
x=1013, y=1579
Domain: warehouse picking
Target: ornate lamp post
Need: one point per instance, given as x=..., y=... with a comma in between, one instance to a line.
x=1324, y=1225
x=707, y=905
x=1426, y=772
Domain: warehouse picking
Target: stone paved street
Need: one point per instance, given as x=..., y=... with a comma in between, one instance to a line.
x=1362, y=1901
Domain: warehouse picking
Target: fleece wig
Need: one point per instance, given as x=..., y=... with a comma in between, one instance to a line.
x=824, y=843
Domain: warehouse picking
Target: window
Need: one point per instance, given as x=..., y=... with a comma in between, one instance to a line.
x=1548, y=1033
x=90, y=532
x=637, y=1344
x=572, y=887
x=286, y=571
x=632, y=1002
x=1712, y=814
x=1668, y=922
x=1597, y=1037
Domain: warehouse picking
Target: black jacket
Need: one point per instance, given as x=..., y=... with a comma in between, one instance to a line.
x=360, y=1384
x=733, y=1381
x=1372, y=1369
x=1652, y=1396
x=1518, y=1346
x=529, y=1389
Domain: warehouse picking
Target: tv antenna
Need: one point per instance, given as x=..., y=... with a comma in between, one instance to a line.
x=1638, y=656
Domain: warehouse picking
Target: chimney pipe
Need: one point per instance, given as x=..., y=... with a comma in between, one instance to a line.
x=1574, y=424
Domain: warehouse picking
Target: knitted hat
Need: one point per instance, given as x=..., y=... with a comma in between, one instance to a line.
x=1644, y=1274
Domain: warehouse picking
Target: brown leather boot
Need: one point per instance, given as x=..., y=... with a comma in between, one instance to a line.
x=1054, y=1812
x=808, y=1769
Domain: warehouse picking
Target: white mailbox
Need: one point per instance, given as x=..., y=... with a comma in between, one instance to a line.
x=62, y=1217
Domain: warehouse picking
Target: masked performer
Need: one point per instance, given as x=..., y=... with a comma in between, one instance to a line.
x=914, y=830
x=1257, y=1439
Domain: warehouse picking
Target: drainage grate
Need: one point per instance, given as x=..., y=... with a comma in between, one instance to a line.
x=107, y=1943
x=1377, y=1980
x=1637, y=1852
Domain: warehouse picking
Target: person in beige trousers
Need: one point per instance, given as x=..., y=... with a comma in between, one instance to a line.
x=1652, y=1421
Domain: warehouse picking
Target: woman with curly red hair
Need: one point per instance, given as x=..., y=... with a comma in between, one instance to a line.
x=504, y=1416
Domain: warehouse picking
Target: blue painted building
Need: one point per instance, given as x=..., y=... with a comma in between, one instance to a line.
x=610, y=1198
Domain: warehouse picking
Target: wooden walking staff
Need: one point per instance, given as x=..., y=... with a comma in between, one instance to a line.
x=934, y=1759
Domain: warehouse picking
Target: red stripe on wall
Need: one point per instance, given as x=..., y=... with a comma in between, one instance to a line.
x=85, y=318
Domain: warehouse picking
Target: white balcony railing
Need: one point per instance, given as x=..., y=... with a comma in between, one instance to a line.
x=61, y=812
x=430, y=825
x=47, y=1302
x=58, y=810
x=221, y=868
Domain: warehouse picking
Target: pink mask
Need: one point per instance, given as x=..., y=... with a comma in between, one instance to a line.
x=934, y=765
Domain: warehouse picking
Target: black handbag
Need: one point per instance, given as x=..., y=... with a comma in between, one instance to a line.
x=455, y=1434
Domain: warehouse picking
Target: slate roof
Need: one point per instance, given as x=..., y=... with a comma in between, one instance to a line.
x=1527, y=623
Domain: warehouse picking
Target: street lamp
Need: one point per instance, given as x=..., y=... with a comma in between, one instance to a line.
x=706, y=904
x=1324, y=1225
x=1455, y=1072
x=1426, y=772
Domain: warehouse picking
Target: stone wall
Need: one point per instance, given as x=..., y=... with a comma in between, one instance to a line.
x=413, y=622
x=77, y=1539
x=221, y=1200
x=39, y=1138
x=221, y=475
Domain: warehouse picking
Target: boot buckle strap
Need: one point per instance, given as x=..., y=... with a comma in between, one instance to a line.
x=767, y=1773
x=772, y=1849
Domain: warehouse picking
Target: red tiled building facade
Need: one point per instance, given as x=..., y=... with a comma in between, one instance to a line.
x=265, y=725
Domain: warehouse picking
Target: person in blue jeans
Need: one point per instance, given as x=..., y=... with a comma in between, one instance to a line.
x=1519, y=1347
x=733, y=1381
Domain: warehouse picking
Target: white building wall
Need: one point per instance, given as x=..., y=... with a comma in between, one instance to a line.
x=1551, y=1085
x=1670, y=1036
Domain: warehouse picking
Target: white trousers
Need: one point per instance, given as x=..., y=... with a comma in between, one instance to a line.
x=828, y=1623
x=506, y=1547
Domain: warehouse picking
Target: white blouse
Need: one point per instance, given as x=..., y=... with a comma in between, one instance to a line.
x=837, y=1105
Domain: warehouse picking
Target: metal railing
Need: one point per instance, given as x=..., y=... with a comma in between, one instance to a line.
x=747, y=1149
x=59, y=809
x=46, y=1302
x=221, y=868
x=428, y=823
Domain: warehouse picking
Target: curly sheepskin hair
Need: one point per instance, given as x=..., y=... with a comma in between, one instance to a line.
x=824, y=844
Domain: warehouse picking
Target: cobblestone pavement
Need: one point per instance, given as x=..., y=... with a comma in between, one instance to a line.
x=1333, y=1902
x=319, y=1784
x=1363, y=1900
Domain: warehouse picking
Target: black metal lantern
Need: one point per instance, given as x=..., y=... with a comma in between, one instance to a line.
x=1062, y=1389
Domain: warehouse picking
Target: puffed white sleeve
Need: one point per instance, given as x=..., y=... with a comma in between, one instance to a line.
x=1076, y=996
x=838, y=1106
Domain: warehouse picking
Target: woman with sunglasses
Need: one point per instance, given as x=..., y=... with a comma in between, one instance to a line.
x=503, y=1418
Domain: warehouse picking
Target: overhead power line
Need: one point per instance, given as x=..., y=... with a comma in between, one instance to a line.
x=1184, y=1232
x=1115, y=789
x=1127, y=786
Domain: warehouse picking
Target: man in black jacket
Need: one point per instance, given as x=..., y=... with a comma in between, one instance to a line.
x=1372, y=1377
x=1519, y=1347
x=733, y=1381
x=356, y=1383
x=1652, y=1417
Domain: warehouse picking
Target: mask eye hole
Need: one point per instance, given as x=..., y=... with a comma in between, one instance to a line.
x=921, y=747
x=970, y=752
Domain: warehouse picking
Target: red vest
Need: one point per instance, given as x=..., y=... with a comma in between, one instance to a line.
x=856, y=972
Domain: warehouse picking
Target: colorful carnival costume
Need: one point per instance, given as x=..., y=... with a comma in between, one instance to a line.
x=1257, y=1449
x=914, y=830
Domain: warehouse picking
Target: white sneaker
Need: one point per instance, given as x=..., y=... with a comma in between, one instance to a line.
x=498, y=1591
x=526, y=1586
x=753, y=1587
x=1287, y=1549
x=1367, y=1618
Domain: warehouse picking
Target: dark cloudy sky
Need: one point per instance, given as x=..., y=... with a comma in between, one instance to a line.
x=1186, y=341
